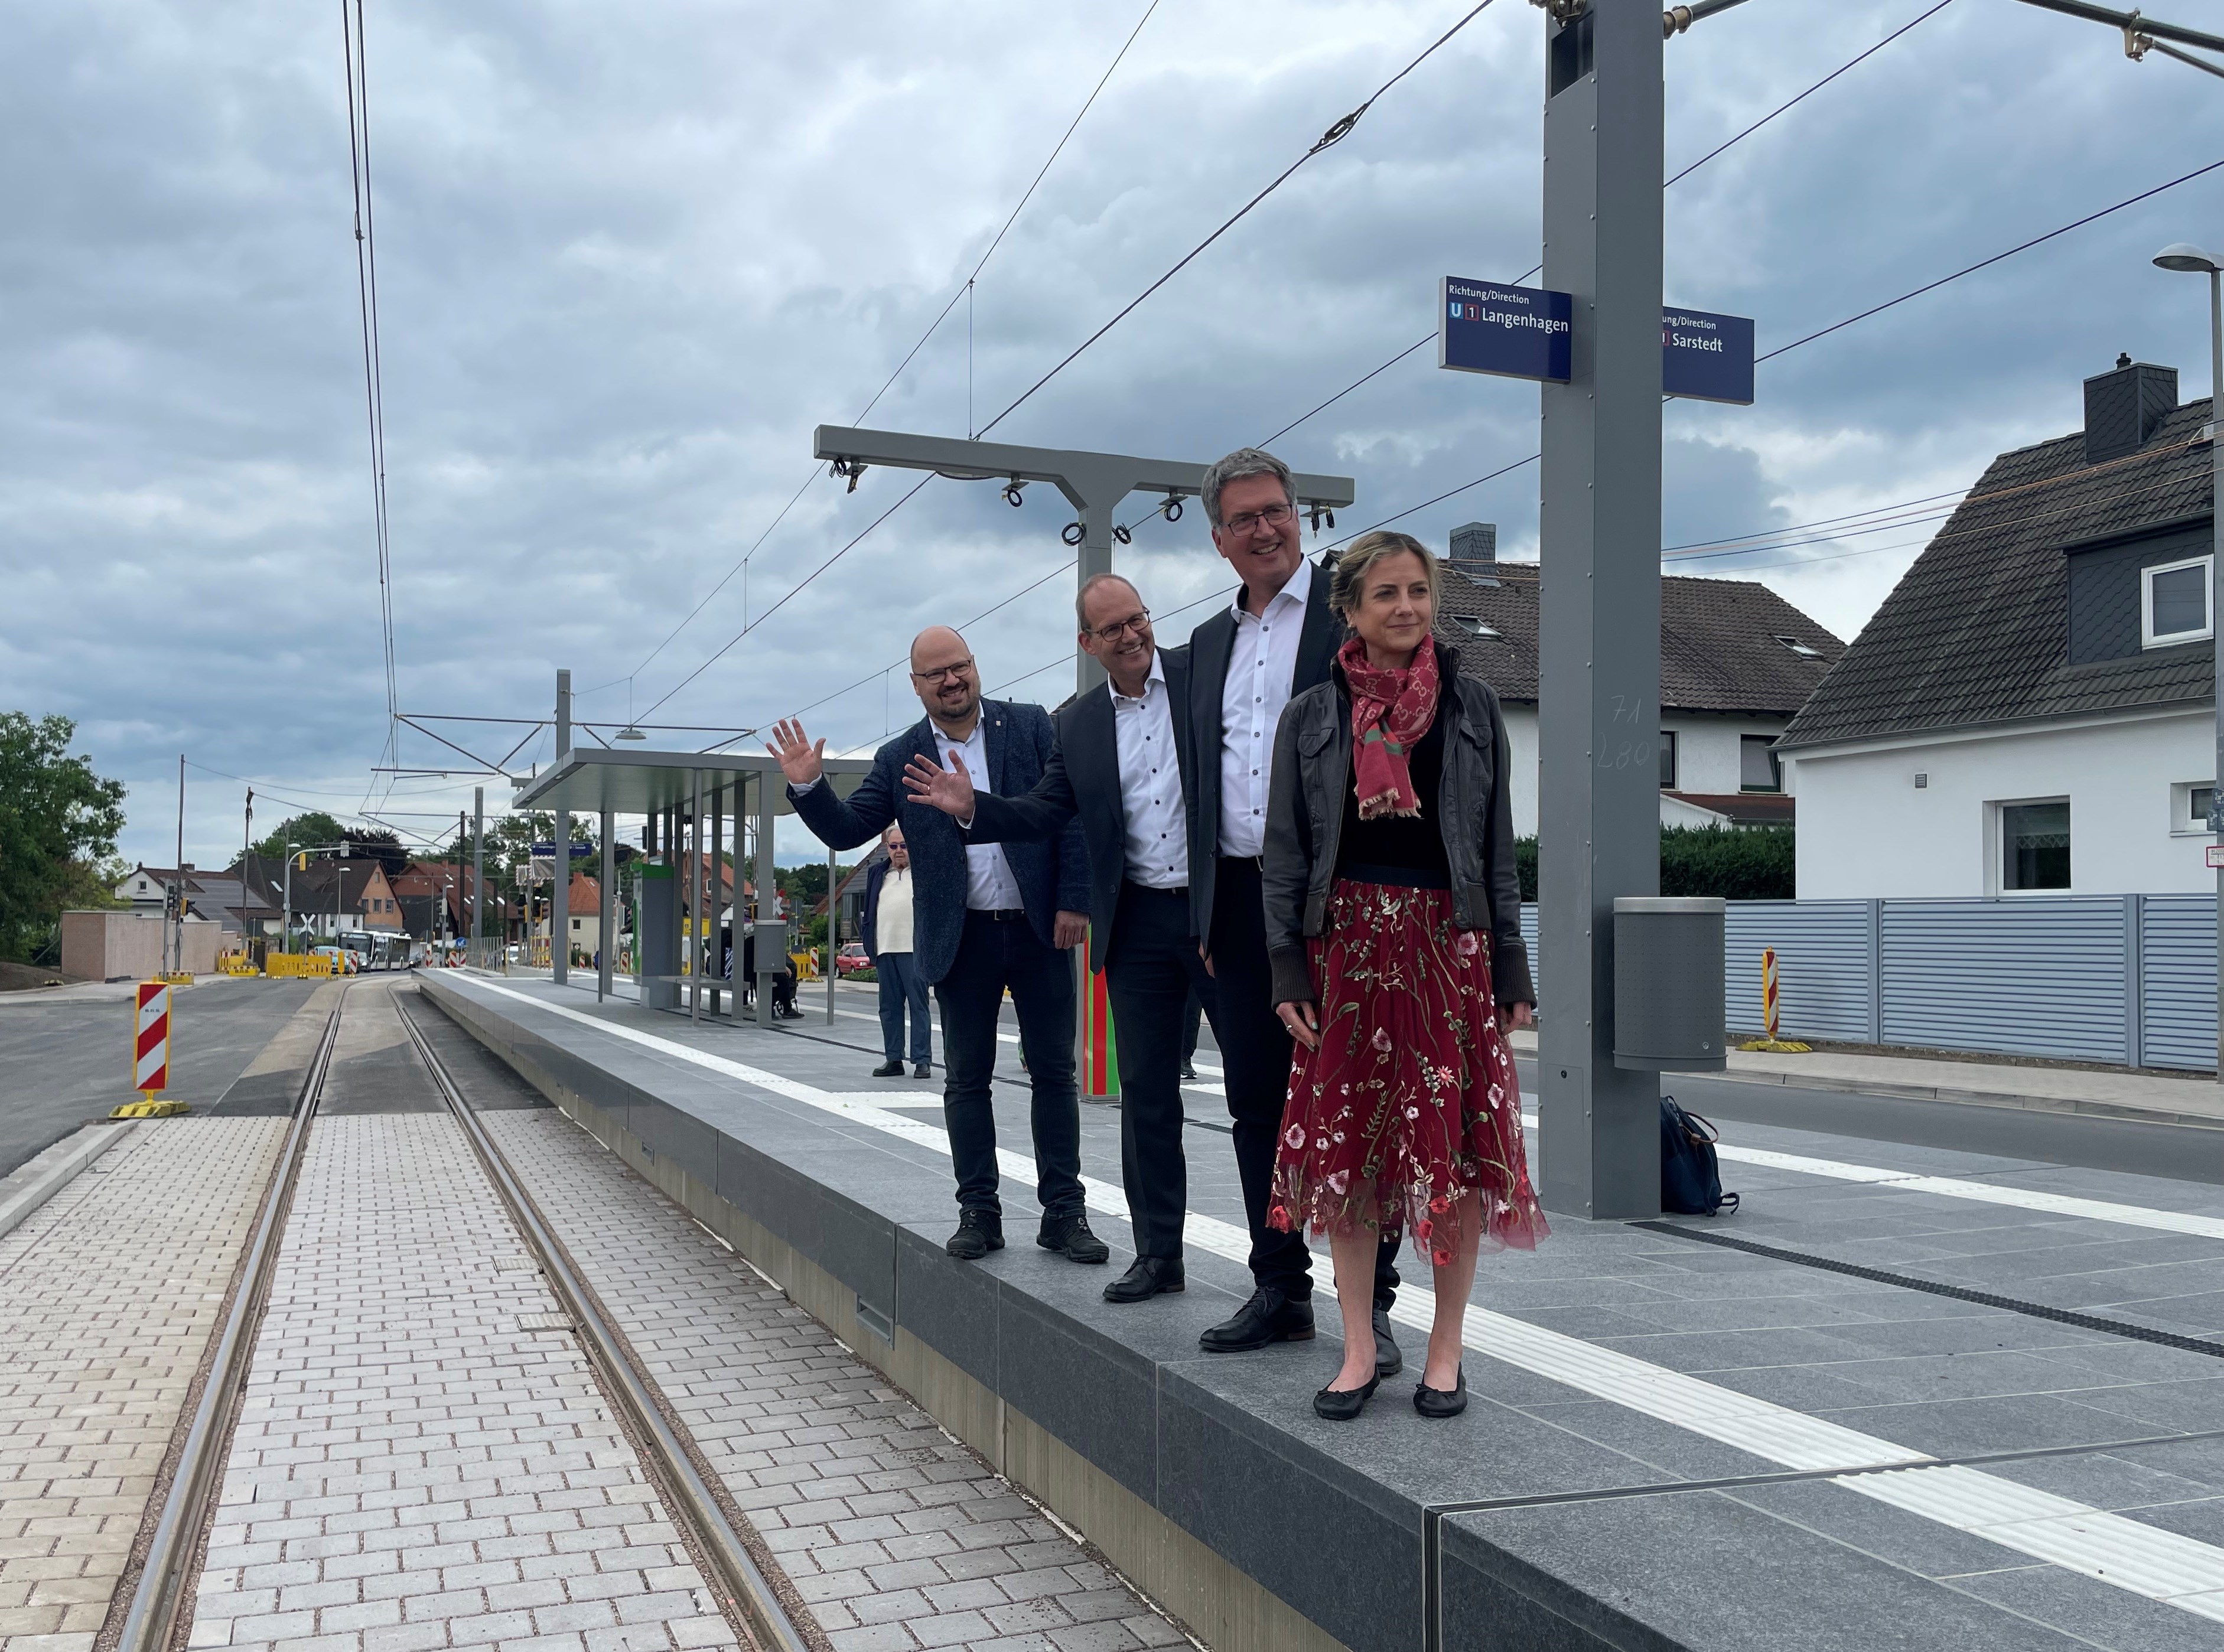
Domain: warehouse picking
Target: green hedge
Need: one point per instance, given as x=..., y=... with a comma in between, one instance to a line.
x=1757, y=863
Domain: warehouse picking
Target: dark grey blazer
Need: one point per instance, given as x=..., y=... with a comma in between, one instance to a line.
x=1083, y=778
x=1209, y=646
x=1052, y=877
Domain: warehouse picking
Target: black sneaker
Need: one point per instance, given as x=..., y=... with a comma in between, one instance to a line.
x=1071, y=1235
x=979, y=1232
x=1189, y=1070
x=889, y=1070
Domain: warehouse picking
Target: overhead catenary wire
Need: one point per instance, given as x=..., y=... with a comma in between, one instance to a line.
x=352, y=54
x=964, y=289
x=1336, y=132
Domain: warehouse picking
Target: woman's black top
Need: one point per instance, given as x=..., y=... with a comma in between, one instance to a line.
x=1403, y=849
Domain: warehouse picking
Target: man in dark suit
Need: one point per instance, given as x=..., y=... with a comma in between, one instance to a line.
x=1121, y=767
x=1277, y=638
x=985, y=919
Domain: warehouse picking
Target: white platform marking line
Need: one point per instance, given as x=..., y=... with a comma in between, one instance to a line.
x=2110, y=1549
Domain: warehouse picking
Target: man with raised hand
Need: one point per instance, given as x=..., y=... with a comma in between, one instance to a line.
x=1245, y=661
x=1121, y=767
x=984, y=920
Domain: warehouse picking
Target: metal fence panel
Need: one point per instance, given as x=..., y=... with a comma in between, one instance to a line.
x=1822, y=966
x=2177, y=967
x=2037, y=976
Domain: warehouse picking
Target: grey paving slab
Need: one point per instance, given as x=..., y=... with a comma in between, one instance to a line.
x=1238, y=1437
x=109, y=1293
x=414, y=1464
x=891, y=1531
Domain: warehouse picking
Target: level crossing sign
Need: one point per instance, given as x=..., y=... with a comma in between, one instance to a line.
x=150, y=1051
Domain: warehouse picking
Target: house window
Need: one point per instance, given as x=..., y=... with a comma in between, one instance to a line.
x=1757, y=769
x=1667, y=759
x=2035, y=845
x=2174, y=603
x=1804, y=650
x=2188, y=808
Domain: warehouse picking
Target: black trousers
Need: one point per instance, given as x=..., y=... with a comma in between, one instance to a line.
x=1254, y=1052
x=1151, y=973
x=1000, y=950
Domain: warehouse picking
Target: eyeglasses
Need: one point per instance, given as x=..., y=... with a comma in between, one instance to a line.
x=1273, y=516
x=1138, y=622
x=956, y=673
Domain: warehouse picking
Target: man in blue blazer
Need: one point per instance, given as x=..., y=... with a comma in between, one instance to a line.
x=987, y=918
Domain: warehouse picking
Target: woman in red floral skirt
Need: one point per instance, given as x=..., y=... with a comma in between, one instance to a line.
x=1394, y=921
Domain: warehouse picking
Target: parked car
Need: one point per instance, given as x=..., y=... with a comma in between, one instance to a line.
x=851, y=959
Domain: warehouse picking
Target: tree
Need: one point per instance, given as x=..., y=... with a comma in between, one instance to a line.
x=57, y=817
x=315, y=829
x=377, y=843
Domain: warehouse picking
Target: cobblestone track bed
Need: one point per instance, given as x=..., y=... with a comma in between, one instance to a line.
x=896, y=1536
x=415, y=1465
x=108, y=1294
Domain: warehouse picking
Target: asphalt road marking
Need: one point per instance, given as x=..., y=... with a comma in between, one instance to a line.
x=2110, y=1549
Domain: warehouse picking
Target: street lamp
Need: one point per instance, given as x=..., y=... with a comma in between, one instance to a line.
x=2191, y=260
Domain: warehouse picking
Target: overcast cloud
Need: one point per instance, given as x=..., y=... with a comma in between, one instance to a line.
x=629, y=257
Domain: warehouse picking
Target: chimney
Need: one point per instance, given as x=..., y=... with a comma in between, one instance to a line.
x=2123, y=408
x=1475, y=551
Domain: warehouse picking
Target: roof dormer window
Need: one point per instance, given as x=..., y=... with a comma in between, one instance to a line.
x=1473, y=625
x=1804, y=650
x=2174, y=603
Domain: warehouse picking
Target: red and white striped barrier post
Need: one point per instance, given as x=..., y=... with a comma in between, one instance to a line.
x=150, y=1049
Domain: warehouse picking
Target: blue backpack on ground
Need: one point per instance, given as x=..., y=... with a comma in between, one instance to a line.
x=1690, y=1176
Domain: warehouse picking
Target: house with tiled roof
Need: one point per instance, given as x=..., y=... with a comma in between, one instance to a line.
x=1737, y=661
x=2032, y=708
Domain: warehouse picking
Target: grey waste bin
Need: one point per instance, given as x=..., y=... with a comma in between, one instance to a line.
x=1668, y=1011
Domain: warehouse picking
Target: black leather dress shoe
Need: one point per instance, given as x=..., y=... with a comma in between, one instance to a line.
x=1070, y=1235
x=920, y=1071
x=1269, y=1316
x=1147, y=1276
x=979, y=1232
x=1437, y=1403
x=1345, y=1405
x=1388, y=1362
x=889, y=1070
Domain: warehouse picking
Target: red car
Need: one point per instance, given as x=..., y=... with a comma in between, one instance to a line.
x=851, y=959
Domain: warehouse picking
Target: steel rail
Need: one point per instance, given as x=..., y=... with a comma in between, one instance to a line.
x=737, y=1577
x=150, y=1623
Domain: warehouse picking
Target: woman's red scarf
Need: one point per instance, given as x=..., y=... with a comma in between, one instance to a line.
x=1390, y=712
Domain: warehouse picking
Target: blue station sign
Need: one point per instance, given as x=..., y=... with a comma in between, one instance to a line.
x=1527, y=332
x=1706, y=357
x=1518, y=332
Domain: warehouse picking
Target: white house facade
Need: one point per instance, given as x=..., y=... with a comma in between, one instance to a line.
x=2030, y=711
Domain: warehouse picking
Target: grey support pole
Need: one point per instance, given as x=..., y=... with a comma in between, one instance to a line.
x=695, y=895
x=606, y=928
x=833, y=927
x=766, y=883
x=1599, y=699
x=478, y=876
x=2215, y=608
x=712, y=877
x=559, y=895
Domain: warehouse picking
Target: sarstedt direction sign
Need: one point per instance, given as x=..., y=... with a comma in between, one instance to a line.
x=1527, y=332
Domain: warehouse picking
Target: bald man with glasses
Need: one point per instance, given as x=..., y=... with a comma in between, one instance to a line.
x=986, y=918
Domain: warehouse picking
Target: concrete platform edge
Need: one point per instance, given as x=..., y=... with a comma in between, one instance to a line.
x=43, y=1175
x=1222, y=1602
x=2014, y=1102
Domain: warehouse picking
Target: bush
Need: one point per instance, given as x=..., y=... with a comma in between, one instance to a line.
x=1757, y=863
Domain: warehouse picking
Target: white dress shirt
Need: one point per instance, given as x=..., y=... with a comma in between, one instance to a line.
x=1260, y=666
x=990, y=885
x=1150, y=784
x=891, y=917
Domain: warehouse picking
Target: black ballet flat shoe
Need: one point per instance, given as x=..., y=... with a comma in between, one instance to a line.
x=1442, y=1402
x=1344, y=1404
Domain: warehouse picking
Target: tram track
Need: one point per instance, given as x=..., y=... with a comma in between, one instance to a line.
x=156, y=1620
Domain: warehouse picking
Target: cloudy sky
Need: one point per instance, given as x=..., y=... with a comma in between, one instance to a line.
x=629, y=258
